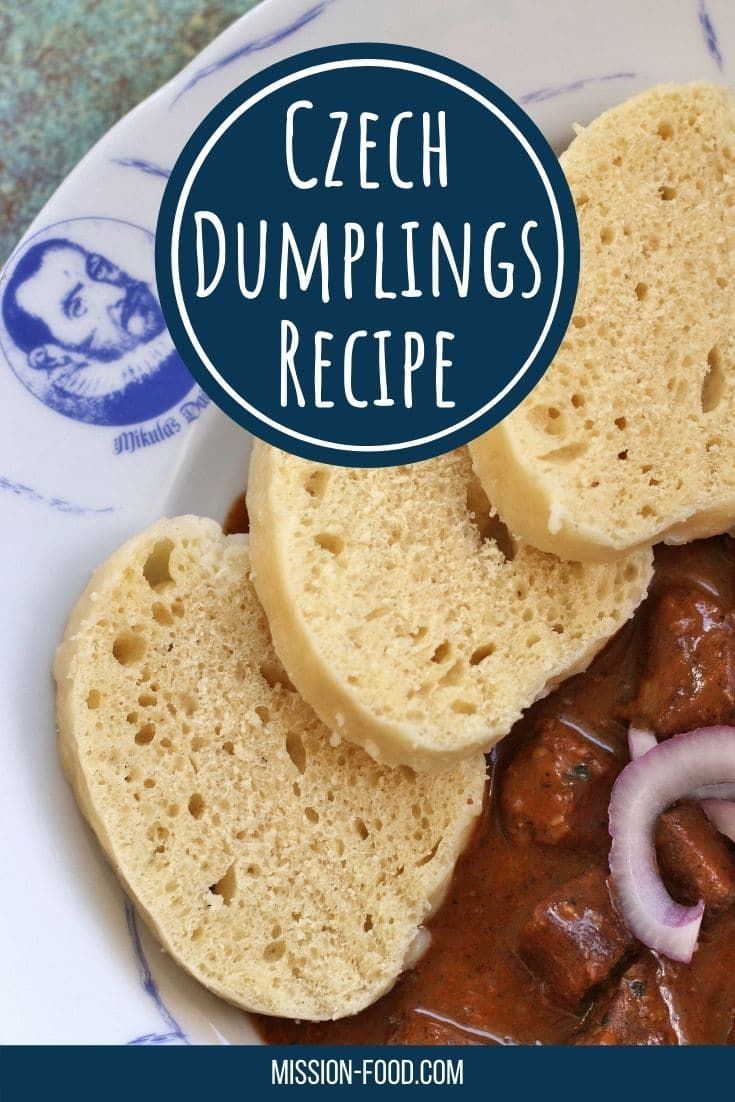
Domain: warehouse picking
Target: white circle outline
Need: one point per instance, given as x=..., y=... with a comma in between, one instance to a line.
x=312, y=70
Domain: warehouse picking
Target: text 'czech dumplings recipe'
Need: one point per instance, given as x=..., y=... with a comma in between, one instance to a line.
x=367, y=255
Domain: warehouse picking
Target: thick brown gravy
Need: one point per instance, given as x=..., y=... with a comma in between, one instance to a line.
x=237, y=519
x=473, y=986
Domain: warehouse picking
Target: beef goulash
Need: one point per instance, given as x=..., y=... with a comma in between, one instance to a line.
x=529, y=946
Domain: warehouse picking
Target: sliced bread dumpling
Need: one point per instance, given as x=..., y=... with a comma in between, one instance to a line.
x=287, y=872
x=403, y=615
x=628, y=438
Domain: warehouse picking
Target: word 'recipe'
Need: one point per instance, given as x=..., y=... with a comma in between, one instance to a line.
x=348, y=260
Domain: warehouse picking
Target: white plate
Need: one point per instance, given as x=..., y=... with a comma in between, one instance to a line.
x=76, y=966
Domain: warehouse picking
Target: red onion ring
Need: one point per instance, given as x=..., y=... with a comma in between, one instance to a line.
x=717, y=800
x=715, y=792
x=640, y=741
x=647, y=786
x=721, y=813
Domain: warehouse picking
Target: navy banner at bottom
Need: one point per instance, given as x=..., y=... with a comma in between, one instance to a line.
x=257, y=1072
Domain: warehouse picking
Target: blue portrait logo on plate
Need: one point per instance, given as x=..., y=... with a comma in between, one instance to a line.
x=82, y=327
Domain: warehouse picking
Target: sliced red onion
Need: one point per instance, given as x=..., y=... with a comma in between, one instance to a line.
x=715, y=792
x=647, y=786
x=717, y=800
x=721, y=813
x=640, y=741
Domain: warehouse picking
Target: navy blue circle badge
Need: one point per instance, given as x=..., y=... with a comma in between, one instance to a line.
x=367, y=254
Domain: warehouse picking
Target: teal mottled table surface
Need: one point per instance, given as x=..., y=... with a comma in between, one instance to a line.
x=69, y=69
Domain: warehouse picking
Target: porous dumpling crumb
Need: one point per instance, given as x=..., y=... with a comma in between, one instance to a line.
x=285, y=870
x=628, y=438
x=405, y=614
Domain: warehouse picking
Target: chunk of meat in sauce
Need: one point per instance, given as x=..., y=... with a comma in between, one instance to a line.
x=575, y=937
x=701, y=994
x=695, y=860
x=688, y=679
x=557, y=788
x=633, y=1013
